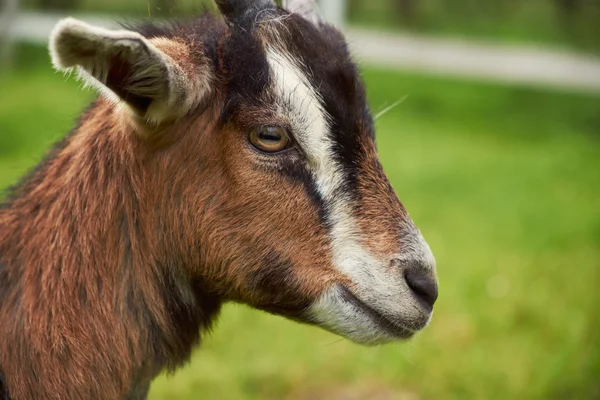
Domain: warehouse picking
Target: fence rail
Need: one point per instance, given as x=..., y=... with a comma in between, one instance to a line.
x=487, y=61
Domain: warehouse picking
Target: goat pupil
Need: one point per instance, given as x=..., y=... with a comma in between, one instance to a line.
x=270, y=135
x=269, y=139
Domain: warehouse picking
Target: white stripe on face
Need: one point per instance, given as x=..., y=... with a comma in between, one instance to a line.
x=303, y=106
x=372, y=280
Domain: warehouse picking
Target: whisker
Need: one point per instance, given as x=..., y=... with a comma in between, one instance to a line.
x=390, y=107
x=407, y=352
x=334, y=342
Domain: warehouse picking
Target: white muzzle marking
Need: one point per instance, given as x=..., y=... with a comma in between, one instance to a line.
x=381, y=290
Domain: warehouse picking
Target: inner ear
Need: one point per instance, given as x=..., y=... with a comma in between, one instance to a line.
x=137, y=89
x=127, y=67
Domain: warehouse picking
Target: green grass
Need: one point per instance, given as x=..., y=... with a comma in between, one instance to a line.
x=504, y=183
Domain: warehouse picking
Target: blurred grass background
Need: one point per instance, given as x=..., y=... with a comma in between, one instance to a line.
x=503, y=181
x=563, y=23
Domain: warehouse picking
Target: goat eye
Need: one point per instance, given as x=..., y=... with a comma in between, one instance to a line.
x=269, y=139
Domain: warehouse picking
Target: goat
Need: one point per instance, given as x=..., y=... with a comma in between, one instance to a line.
x=230, y=158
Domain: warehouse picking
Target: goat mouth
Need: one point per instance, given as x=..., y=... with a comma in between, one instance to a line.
x=381, y=321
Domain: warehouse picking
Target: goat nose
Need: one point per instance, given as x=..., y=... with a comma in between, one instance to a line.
x=422, y=284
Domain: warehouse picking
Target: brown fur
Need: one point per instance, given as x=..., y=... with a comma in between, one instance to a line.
x=119, y=250
x=379, y=209
x=105, y=289
x=92, y=273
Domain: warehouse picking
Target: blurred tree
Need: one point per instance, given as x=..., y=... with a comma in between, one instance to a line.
x=568, y=12
x=568, y=7
x=8, y=15
x=58, y=4
x=166, y=8
x=407, y=11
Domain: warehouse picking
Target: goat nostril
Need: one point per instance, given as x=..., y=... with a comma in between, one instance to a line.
x=423, y=286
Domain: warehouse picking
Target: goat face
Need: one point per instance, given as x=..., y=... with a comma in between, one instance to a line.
x=288, y=205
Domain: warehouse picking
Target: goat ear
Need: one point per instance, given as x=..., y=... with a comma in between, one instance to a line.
x=127, y=67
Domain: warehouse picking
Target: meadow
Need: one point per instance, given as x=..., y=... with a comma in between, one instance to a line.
x=504, y=183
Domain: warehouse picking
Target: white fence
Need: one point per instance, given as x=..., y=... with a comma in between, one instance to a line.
x=523, y=65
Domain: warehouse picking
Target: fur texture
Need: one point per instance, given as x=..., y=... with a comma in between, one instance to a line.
x=155, y=78
x=118, y=250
